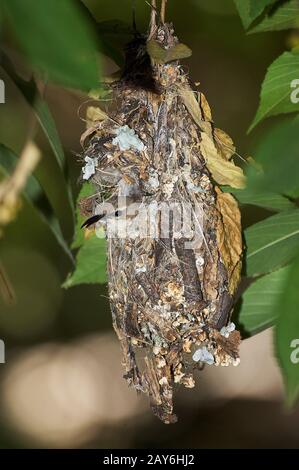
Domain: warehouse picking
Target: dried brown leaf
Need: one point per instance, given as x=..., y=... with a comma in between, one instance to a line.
x=162, y=56
x=225, y=144
x=192, y=105
x=223, y=171
x=94, y=114
x=205, y=107
x=229, y=237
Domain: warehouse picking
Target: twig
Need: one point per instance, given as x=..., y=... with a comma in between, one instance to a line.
x=163, y=11
x=12, y=186
x=153, y=24
x=10, y=190
x=134, y=15
x=6, y=288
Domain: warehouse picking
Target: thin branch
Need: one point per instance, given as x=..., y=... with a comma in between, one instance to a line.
x=153, y=24
x=12, y=186
x=6, y=288
x=163, y=11
x=134, y=15
x=10, y=190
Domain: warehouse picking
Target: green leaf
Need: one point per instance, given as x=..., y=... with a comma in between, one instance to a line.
x=249, y=10
x=257, y=7
x=33, y=193
x=161, y=55
x=285, y=16
x=279, y=87
x=31, y=95
x=278, y=154
x=272, y=243
x=258, y=308
x=90, y=263
x=268, y=200
x=243, y=7
x=86, y=190
x=287, y=333
x=56, y=38
x=91, y=257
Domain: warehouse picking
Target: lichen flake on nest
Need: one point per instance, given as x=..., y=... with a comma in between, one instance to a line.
x=171, y=296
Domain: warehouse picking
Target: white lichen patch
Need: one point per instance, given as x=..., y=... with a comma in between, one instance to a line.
x=226, y=330
x=168, y=184
x=203, y=355
x=89, y=168
x=191, y=186
x=195, y=189
x=174, y=292
x=141, y=269
x=163, y=381
x=226, y=360
x=188, y=381
x=178, y=373
x=161, y=362
x=153, y=181
x=126, y=139
x=236, y=361
x=200, y=262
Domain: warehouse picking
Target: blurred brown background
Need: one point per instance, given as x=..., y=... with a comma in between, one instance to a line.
x=62, y=382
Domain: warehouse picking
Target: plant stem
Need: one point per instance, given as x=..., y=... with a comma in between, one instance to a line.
x=163, y=10
x=153, y=24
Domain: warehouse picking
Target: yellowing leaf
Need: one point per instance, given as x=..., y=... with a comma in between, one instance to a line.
x=161, y=55
x=225, y=144
x=223, y=171
x=229, y=237
x=205, y=107
x=94, y=114
x=192, y=105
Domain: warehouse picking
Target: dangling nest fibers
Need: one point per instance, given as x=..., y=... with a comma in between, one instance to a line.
x=171, y=301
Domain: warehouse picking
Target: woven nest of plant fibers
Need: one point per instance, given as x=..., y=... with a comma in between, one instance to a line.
x=171, y=293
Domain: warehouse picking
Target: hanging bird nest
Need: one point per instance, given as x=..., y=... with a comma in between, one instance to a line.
x=174, y=241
